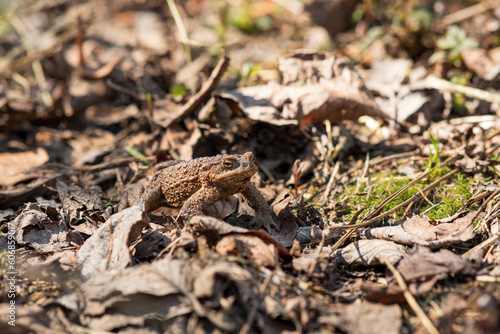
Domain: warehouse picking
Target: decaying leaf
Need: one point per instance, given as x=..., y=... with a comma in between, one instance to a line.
x=396, y=99
x=27, y=319
x=370, y=252
x=319, y=270
x=34, y=228
x=77, y=200
x=422, y=268
x=485, y=63
x=377, y=318
x=12, y=165
x=427, y=232
x=250, y=247
x=316, y=86
x=108, y=248
x=237, y=240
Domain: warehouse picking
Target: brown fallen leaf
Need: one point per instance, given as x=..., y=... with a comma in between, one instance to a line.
x=77, y=200
x=34, y=228
x=205, y=283
x=208, y=225
x=369, y=252
x=27, y=319
x=421, y=268
x=427, y=232
x=486, y=64
x=249, y=247
x=12, y=166
x=316, y=86
x=285, y=219
x=157, y=293
x=321, y=271
x=108, y=247
x=377, y=318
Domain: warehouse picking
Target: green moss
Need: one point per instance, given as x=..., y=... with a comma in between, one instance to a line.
x=451, y=193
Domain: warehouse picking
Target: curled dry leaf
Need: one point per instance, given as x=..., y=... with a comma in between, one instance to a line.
x=396, y=99
x=321, y=271
x=207, y=224
x=316, y=86
x=165, y=290
x=286, y=219
x=76, y=200
x=249, y=247
x=34, y=228
x=108, y=247
x=205, y=283
x=155, y=287
x=28, y=319
x=377, y=318
x=370, y=252
x=422, y=268
x=12, y=165
x=427, y=232
x=485, y=63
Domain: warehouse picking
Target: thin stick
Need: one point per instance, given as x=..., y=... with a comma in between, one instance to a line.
x=440, y=84
x=483, y=244
x=362, y=176
x=410, y=299
x=396, y=194
x=467, y=12
x=183, y=36
x=330, y=182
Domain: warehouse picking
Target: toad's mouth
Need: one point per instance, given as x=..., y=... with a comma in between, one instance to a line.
x=237, y=175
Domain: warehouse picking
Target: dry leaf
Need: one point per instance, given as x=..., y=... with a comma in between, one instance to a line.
x=423, y=267
x=34, y=228
x=376, y=318
x=370, y=252
x=250, y=247
x=485, y=63
x=12, y=165
x=426, y=232
x=108, y=248
x=316, y=86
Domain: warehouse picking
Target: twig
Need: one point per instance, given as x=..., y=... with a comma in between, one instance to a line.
x=432, y=207
x=330, y=182
x=396, y=194
x=36, y=65
x=425, y=197
x=348, y=234
x=379, y=160
x=410, y=299
x=483, y=244
x=467, y=12
x=363, y=174
x=196, y=100
x=485, y=203
x=183, y=36
x=440, y=84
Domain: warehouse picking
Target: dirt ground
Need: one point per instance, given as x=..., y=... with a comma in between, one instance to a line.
x=375, y=127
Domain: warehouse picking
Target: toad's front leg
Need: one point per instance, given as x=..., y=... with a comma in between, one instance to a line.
x=195, y=204
x=263, y=215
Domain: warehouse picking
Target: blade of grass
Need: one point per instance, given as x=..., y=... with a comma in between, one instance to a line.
x=183, y=37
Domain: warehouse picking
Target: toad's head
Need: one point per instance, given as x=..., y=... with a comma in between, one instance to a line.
x=233, y=169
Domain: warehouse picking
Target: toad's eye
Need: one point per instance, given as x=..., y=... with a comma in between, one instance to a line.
x=227, y=163
x=252, y=159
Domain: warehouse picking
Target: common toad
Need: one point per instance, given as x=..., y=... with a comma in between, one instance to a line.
x=194, y=185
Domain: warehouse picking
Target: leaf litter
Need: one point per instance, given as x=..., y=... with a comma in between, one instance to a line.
x=378, y=157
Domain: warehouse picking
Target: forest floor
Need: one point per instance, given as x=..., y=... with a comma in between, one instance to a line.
x=375, y=126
